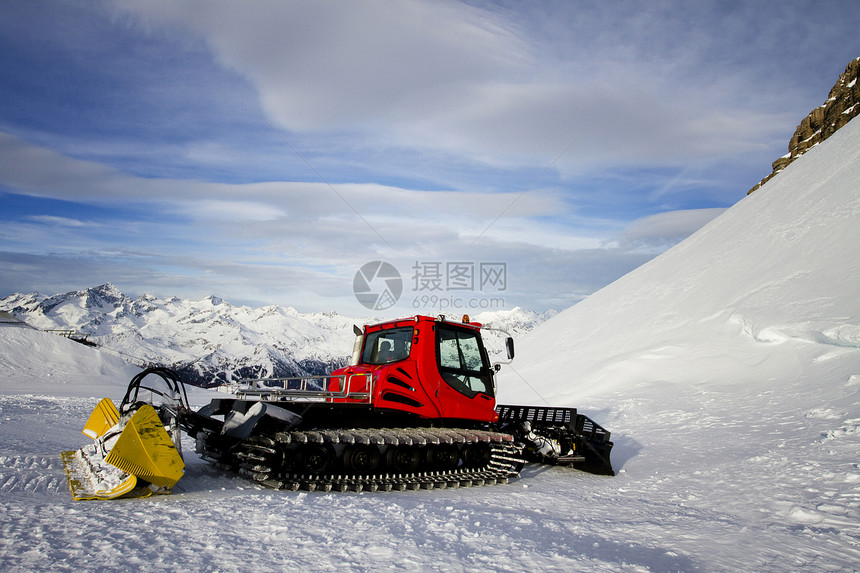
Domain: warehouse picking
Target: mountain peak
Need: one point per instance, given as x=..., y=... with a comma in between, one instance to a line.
x=105, y=297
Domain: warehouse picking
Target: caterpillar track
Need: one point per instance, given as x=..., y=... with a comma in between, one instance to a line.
x=361, y=459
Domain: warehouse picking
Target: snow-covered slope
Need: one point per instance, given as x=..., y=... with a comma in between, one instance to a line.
x=728, y=370
x=31, y=360
x=764, y=293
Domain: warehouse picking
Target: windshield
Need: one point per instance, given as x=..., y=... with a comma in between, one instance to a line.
x=386, y=346
x=462, y=361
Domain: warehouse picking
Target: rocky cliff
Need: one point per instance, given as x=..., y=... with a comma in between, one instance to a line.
x=843, y=104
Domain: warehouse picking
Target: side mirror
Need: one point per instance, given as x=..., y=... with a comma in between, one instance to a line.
x=509, y=346
x=356, y=347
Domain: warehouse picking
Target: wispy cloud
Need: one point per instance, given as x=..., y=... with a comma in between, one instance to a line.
x=663, y=230
x=470, y=82
x=60, y=221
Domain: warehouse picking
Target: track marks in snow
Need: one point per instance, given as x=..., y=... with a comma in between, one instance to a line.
x=30, y=462
x=32, y=474
x=34, y=429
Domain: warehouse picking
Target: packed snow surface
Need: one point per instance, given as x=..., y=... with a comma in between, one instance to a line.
x=727, y=369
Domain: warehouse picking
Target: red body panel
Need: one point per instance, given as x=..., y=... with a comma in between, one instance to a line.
x=427, y=367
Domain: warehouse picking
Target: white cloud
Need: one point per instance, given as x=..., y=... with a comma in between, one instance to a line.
x=312, y=218
x=42, y=172
x=237, y=211
x=498, y=87
x=60, y=221
x=324, y=65
x=663, y=230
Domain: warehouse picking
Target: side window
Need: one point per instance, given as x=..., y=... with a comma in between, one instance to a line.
x=386, y=346
x=461, y=361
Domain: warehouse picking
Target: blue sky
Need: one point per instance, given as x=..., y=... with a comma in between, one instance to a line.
x=264, y=151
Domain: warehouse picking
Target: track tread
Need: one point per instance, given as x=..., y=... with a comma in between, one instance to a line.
x=262, y=459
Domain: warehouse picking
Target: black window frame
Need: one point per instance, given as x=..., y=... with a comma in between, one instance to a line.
x=371, y=338
x=449, y=374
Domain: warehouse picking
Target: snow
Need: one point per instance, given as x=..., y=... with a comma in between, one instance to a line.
x=727, y=369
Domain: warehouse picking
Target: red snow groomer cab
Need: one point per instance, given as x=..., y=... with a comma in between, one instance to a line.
x=424, y=366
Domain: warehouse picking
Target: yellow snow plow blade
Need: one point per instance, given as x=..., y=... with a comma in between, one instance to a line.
x=145, y=449
x=111, y=466
x=104, y=417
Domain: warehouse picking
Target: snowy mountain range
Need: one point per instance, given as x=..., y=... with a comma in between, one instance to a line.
x=210, y=341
